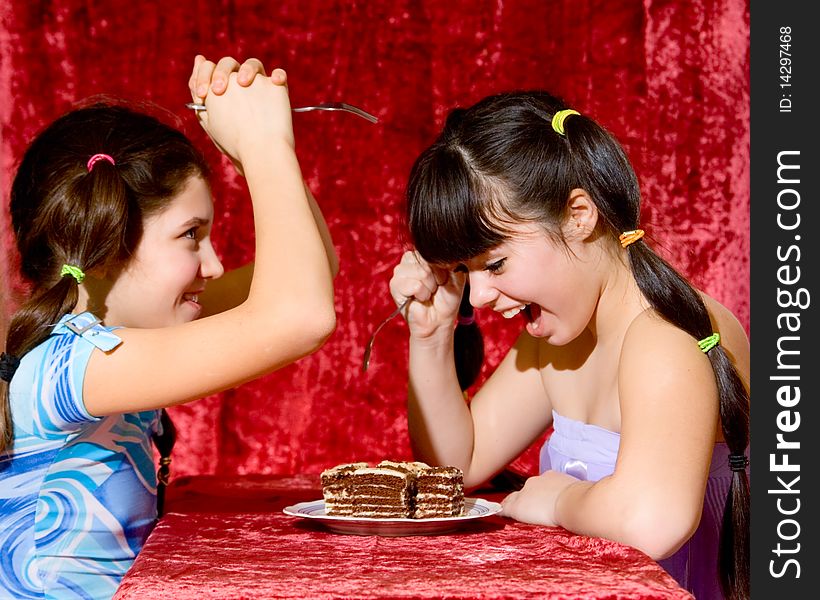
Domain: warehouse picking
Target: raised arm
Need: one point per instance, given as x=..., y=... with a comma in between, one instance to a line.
x=289, y=310
x=504, y=417
x=231, y=289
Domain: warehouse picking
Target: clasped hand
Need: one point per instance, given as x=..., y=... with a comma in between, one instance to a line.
x=246, y=110
x=436, y=293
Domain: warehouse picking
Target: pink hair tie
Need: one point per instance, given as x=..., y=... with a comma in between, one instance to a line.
x=97, y=158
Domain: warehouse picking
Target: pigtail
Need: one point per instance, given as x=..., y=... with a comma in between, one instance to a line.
x=30, y=325
x=468, y=349
x=83, y=189
x=6, y=427
x=602, y=167
x=10, y=362
x=164, y=442
x=468, y=343
x=734, y=551
x=675, y=300
x=71, y=231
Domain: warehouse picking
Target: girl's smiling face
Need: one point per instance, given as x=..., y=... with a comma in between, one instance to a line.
x=555, y=287
x=161, y=284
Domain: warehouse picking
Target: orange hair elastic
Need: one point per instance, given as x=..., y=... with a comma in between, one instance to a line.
x=628, y=237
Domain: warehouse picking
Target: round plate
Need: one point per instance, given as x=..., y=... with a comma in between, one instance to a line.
x=474, y=509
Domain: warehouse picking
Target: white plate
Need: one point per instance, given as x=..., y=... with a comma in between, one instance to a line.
x=474, y=509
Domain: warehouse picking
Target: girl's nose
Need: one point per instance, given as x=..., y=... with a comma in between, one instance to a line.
x=210, y=267
x=481, y=292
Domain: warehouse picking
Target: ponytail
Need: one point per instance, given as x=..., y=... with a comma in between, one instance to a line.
x=468, y=343
x=30, y=325
x=165, y=444
x=81, y=194
x=677, y=302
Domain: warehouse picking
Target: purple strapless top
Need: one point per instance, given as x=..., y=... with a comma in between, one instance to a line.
x=588, y=452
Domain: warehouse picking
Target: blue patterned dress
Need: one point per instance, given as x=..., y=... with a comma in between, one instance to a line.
x=77, y=492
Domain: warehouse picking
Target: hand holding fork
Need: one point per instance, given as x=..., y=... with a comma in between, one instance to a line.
x=208, y=76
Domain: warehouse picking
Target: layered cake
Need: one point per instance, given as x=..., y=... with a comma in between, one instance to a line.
x=439, y=493
x=393, y=489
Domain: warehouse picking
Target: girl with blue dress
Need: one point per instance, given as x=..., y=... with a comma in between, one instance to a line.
x=130, y=312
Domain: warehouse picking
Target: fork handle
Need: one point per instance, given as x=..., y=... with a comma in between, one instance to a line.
x=395, y=312
x=369, y=348
x=201, y=107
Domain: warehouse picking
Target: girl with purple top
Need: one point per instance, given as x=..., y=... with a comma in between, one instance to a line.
x=533, y=208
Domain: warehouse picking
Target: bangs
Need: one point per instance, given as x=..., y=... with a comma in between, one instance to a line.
x=453, y=213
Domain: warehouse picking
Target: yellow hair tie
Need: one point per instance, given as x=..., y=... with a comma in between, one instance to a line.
x=627, y=237
x=74, y=271
x=559, y=118
x=708, y=343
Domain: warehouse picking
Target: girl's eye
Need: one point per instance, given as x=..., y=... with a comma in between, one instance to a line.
x=190, y=234
x=495, y=267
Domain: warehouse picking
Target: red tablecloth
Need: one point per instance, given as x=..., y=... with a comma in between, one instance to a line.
x=227, y=538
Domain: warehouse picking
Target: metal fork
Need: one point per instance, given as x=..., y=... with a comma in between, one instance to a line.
x=369, y=348
x=323, y=106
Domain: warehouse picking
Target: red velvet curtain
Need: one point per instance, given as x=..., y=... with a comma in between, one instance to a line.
x=669, y=78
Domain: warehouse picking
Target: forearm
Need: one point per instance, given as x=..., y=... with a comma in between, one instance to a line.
x=291, y=271
x=321, y=224
x=230, y=290
x=578, y=509
x=632, y=515
x=441, y=426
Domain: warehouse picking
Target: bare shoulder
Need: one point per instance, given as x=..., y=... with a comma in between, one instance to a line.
x=667, y=389
x=654, y=348
x=668, y=397
x=650, y=331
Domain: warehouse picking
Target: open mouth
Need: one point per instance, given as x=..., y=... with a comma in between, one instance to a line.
x=509, y=314
x=531, y=313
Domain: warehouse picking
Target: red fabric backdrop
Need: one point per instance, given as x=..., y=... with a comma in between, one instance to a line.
x=669, y=78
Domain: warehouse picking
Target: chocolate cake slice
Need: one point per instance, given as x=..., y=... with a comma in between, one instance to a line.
x=336, y=488
x=439, y=493
x=372, y=492
x=393, y=489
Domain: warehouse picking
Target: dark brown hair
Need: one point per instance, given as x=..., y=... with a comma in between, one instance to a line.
x=500, y=160
x=64, y=213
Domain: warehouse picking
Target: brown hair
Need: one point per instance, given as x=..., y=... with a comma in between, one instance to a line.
x=505, y=146
x=62, y=212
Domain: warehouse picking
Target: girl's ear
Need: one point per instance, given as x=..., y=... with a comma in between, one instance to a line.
x=581, y=217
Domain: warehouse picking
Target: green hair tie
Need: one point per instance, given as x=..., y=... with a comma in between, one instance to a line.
x=559, y=118
x=708, y=343
x=75, y=272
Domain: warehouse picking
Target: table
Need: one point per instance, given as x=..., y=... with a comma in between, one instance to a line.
x=227, y=537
